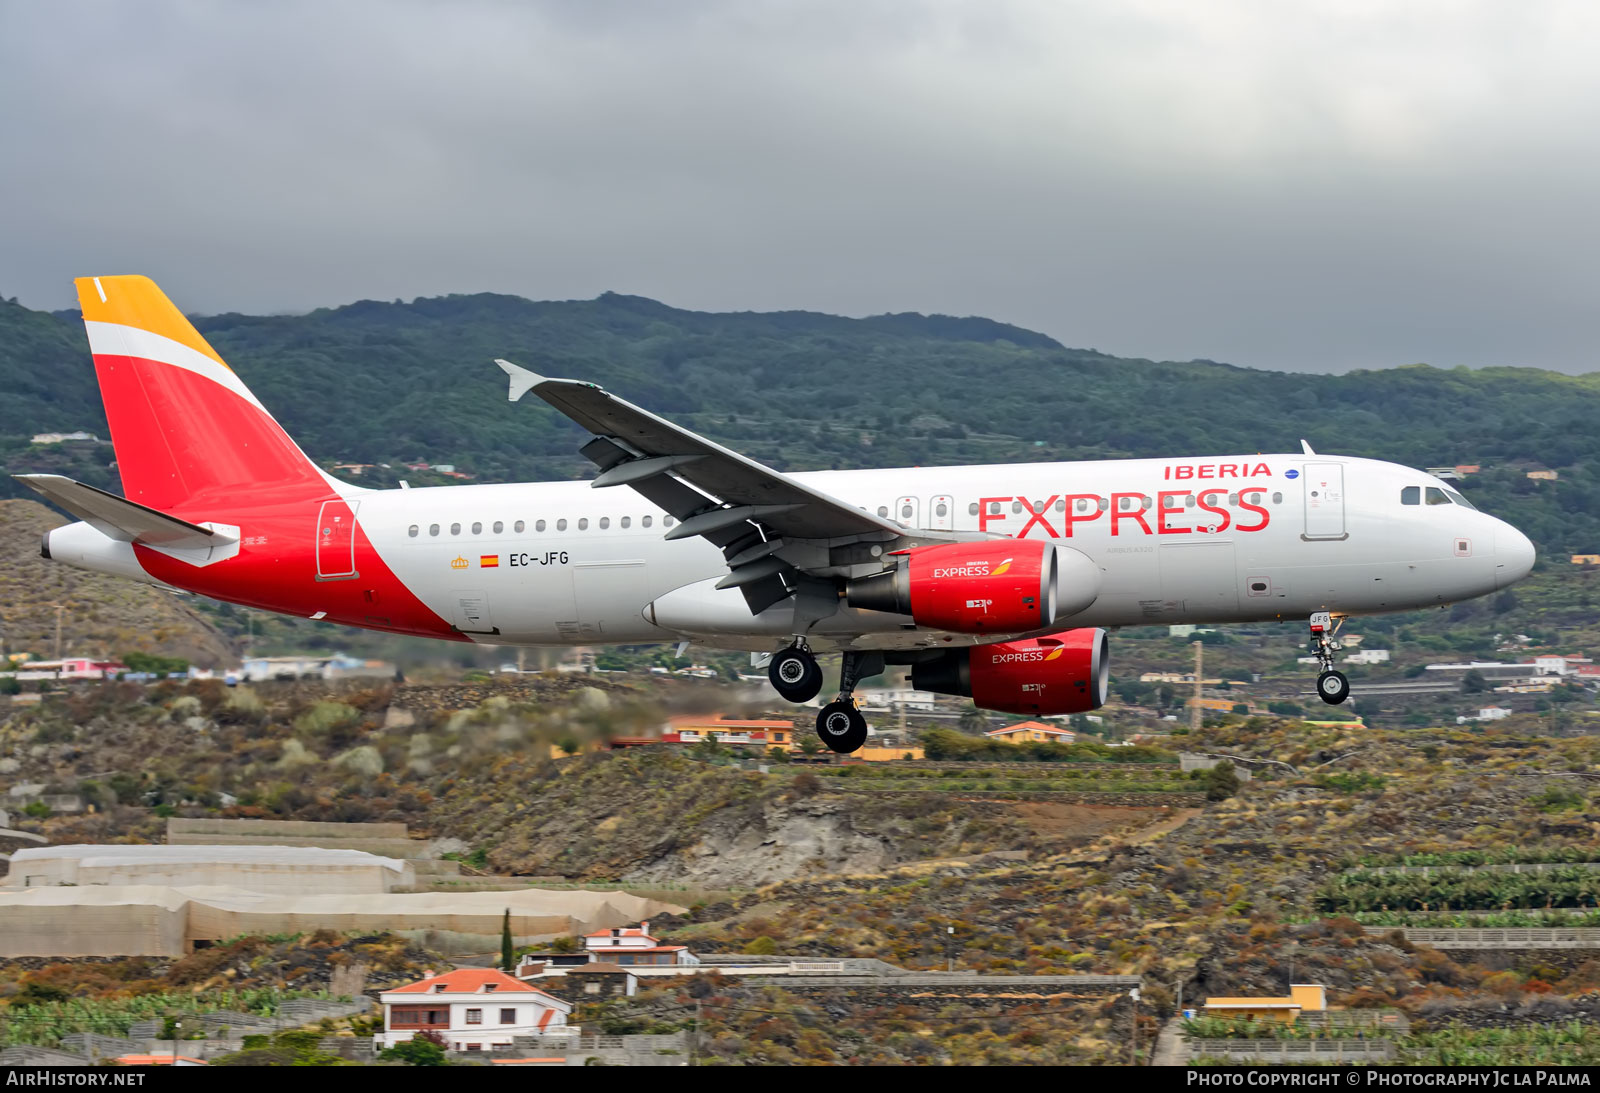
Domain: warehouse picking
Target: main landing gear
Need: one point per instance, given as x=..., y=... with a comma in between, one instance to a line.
x=795, y=674
x=842, y=727
x=1332, y=687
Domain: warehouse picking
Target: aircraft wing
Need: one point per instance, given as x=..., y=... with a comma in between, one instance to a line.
x=756, y=514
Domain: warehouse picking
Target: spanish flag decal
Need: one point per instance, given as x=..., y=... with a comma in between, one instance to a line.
x=489, y=561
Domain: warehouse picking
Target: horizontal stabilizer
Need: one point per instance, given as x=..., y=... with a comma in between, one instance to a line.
x=119, y=518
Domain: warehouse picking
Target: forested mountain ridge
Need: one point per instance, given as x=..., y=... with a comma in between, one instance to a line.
x=391, y=382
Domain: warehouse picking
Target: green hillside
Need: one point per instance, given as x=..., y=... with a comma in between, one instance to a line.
x=392, y=382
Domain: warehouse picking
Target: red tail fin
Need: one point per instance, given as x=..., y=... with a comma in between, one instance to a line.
x=187, y=432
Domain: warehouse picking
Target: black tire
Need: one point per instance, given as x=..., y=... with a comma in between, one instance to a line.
x=795, y=675
x=1333, y=688
x=842, y=727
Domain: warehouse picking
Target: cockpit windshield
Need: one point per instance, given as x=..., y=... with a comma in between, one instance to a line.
x=1433, y=495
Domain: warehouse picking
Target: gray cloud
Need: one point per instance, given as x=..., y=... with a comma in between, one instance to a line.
x=1312, y=186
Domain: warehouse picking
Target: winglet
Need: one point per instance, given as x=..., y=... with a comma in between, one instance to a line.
x=522, y=380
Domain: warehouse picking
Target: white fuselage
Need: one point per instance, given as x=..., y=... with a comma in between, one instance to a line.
x=1225, y=539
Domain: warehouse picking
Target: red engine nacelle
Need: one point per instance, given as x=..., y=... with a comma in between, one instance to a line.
x=1063, y=673
x=997, y=586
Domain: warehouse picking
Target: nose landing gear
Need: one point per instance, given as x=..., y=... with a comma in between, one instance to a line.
x=1332, y=686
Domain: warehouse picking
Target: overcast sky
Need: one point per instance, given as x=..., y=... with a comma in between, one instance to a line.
x=1308, y=185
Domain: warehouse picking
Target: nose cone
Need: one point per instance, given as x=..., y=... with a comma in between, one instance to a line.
x=1513, y=555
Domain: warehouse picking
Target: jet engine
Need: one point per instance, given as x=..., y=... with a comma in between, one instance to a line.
x=996, y=586
x=1059, y=674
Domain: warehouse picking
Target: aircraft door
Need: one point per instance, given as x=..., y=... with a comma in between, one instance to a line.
x=1324, y=500
x=905, y=513
x=942, y=513
x=336, y=541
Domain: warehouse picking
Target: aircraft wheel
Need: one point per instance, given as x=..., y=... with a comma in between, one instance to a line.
x=1333, y=687
x=842, y=727
x=795, y=675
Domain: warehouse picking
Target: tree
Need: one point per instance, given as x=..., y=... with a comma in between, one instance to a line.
x=508, y=956
x=810, y=745
x=1222, y=781
x=1473, y=683
x=425, y=1048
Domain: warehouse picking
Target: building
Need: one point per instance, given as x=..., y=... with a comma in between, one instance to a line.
x=473, y=1009
x=307, y=870
x=1586, y=559
x=732, y=732
x=70, y=668
x=1303, y=998
x=895, y=698
x=337, y=666
x=634, y=945
x=1541, y=668
x=60, y=438
x=1032, y=732
x=596, y=981
x=1488, y=713
x=1544, y=475
x=1368, y=656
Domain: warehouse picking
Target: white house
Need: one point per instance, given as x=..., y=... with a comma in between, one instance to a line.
x=1368, y=656
x=634, y=945
x=474, y=1009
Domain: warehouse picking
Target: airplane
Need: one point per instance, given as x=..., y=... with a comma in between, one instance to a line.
x=996, y=582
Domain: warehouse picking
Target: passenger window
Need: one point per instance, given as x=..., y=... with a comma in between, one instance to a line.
x=1411, y=495
x=538, y=525
x=1016, y=506
x=1188, y=500
x=905, y=512
x=1061, y=506
x=1233, y=499
x=667, y=521
x=941, y=509
x=583, y=523
x=1277, y=498
x=994, y=508
x=605, y=522
x=412, y=531
x=1102, y=503
x=561, y=524
x=1125, y=503
x=626, y=521
x=499, y=526
x=433, y=529
x=1144, y=502
x=972, y=509
x=519, y=525
x=883, y=510
x=477, y=527
x=645, y=522
x=1435, y=496
x=455, y=529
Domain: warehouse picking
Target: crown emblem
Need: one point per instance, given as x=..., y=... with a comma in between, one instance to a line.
x=459, y=563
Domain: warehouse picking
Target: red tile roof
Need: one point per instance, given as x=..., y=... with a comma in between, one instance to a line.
x=630, y=931
x=1031, y=726
x=467, y=981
